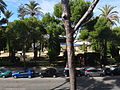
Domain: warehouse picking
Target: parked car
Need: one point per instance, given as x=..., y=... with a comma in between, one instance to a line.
x=94, y=72
x=89, y=68
x=110, y=70
x=49, y=72
x=86, y=69
x=78, y=72
x=107, y=71
x=24, y=73
x=5, y=73
x=115, y=71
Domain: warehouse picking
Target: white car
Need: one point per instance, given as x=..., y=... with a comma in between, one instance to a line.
x=94, y=72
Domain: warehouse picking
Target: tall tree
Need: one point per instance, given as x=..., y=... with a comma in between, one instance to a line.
x=69, y=34
x=54, y=29
x=111, y=16
x=7, y=15
x=36, y=31
x=102, y=35
x=109, y=13
x=32, y=9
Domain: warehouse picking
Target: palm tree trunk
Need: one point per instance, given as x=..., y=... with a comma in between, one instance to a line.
x=105, y=52
x=35, y=49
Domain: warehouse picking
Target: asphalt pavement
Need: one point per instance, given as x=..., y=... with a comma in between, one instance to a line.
x=60, y=83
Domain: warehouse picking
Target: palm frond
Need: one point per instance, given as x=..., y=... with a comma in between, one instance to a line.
x=8, y=14
x=107, y=12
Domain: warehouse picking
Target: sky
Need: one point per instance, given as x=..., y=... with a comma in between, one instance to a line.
x=47, y=6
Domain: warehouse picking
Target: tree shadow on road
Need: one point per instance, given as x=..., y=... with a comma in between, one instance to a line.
x=93, y=83
x=61, y=86
x=98, y=83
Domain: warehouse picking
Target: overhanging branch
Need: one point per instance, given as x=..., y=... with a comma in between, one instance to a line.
x=88, y=12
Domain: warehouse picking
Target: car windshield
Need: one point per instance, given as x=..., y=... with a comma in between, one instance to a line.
x=3, y=70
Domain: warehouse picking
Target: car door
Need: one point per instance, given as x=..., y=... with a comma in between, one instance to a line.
x=0, y=73
x=94, y=73
x=46, y=73
x=22, y=73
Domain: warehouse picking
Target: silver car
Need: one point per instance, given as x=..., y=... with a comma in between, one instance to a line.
x=94, y=72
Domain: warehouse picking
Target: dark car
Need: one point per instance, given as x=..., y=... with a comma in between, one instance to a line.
x=79, y=72
x=107, y=71
x=49, y=72
x=23, y=73
x=116, y=71
x=110, y=70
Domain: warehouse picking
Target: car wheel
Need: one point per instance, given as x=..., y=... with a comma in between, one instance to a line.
x=66, y=75
x=29, y=76
x=3, y=76
x=101, y=75
x=15, y=77
x=87, y=75
x=79, y=75
x=112, y=74
x=54, y=76
x=42, y=76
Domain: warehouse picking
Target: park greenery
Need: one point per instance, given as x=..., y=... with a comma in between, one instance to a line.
x=29, y=32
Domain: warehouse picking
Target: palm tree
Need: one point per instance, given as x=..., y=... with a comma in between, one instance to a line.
x=2, y=9
x=2, y=6
x=7, y=15
x=107, y=12
x=21, y=11
x=112, y=16
x=33, y=9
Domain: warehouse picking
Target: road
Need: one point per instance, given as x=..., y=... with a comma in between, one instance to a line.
x=33, y=84
x=60, y=83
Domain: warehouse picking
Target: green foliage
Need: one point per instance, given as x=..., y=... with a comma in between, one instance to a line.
x=58, y=10
x=47, y=19
x=53, y=42
x=103, y=39
x=3, y=39
x=84, y=47
x=114, y=43
x=54, y=29
x=90, y=24
x=102, y=29
x=116, y=34
x=16, y=32
x=53, y=47
x=77, y=10
x=84, y=34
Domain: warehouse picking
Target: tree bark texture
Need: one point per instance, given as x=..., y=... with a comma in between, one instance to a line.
x=69, y=36
x=69, y=42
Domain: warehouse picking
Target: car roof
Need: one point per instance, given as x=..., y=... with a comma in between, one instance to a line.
x=24, y=69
